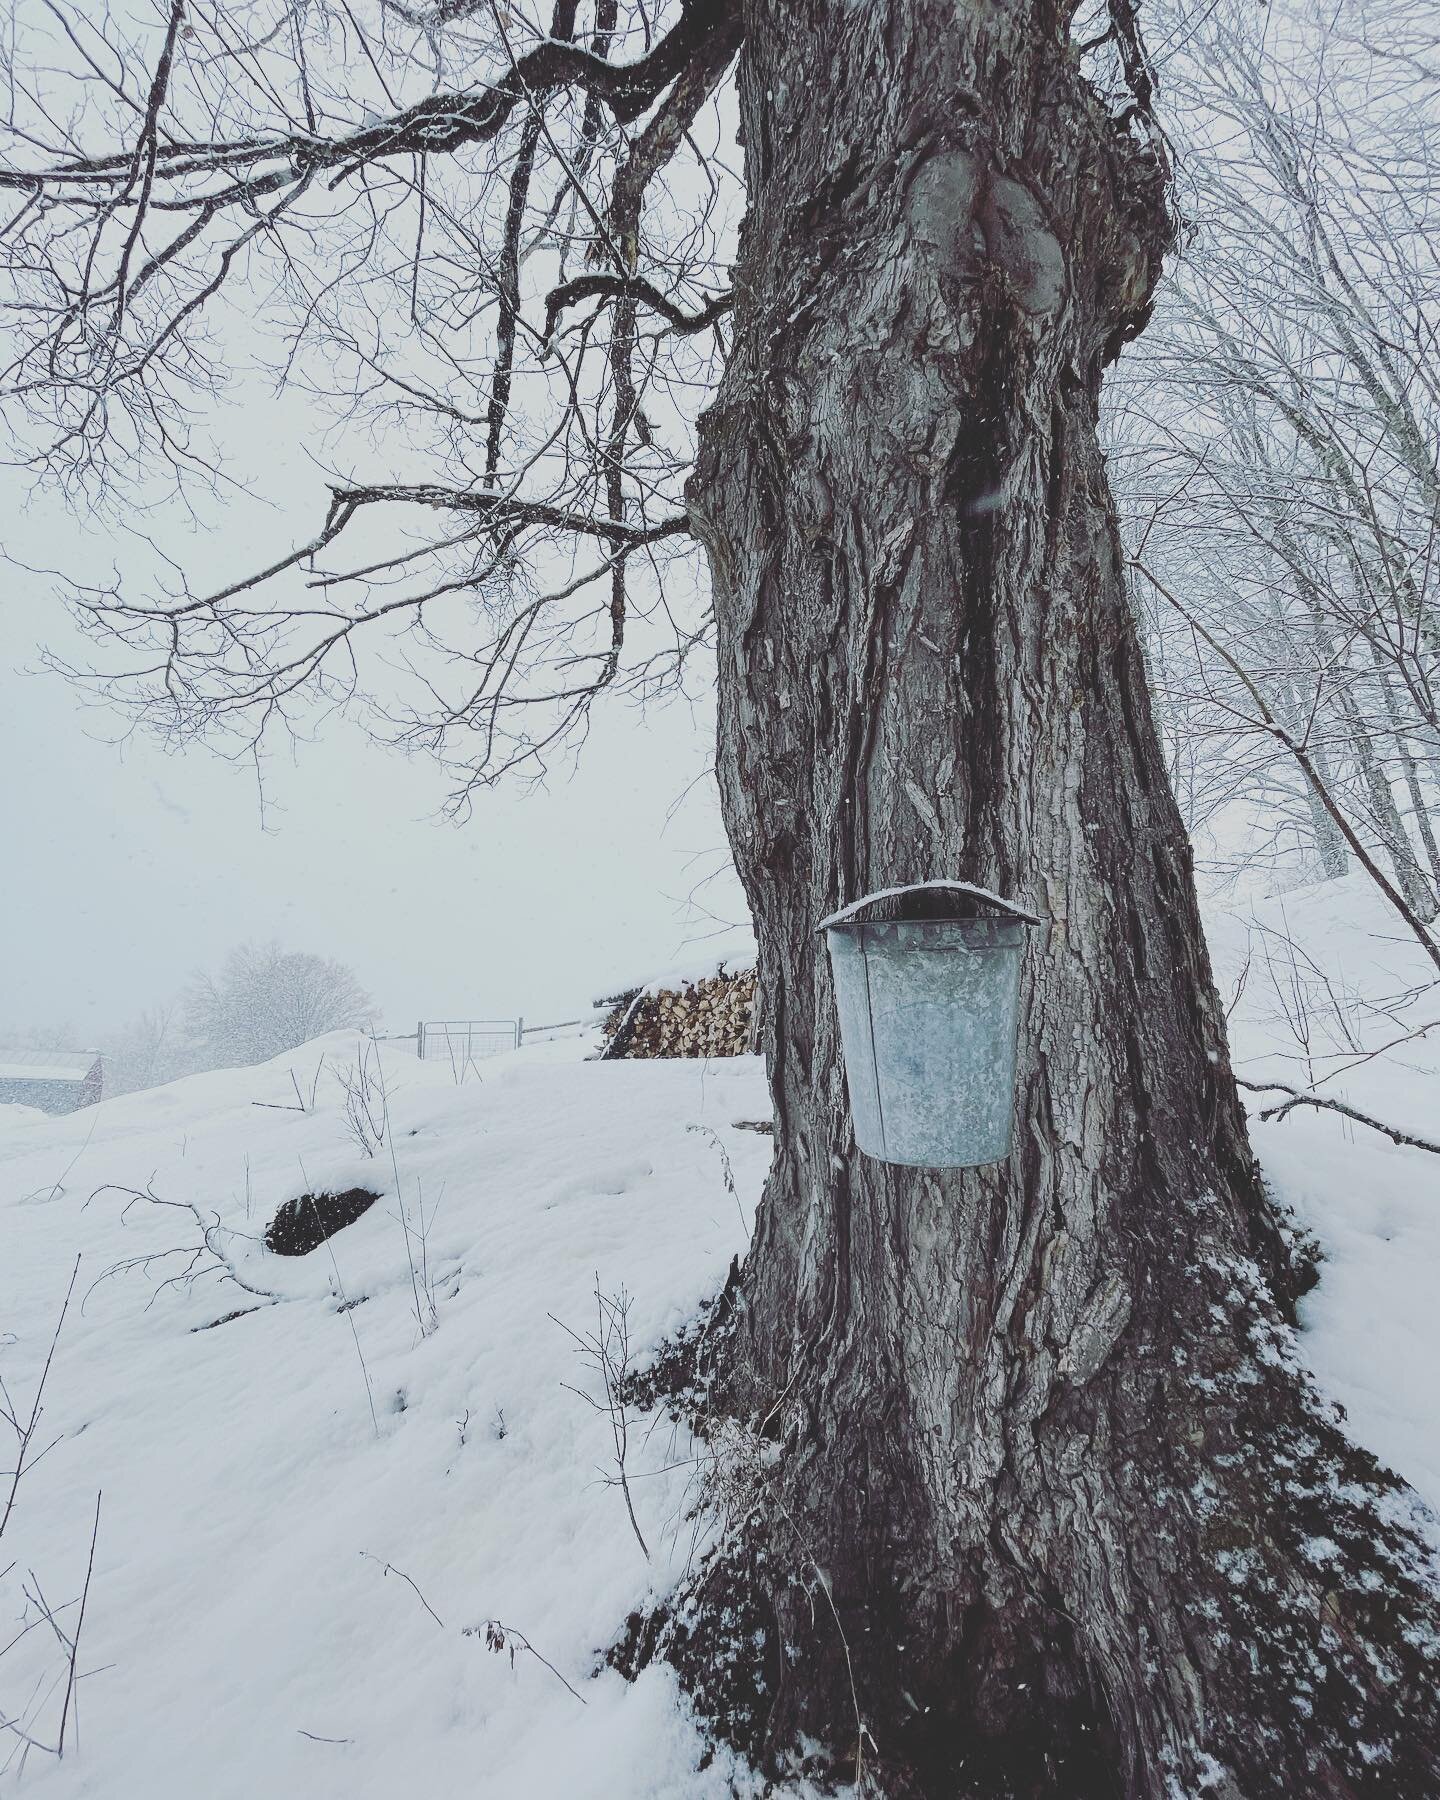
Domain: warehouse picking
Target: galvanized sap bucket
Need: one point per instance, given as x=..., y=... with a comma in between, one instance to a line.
x=928, y=1015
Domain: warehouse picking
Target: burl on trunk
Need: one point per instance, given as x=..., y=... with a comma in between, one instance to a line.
x=1050, y=1507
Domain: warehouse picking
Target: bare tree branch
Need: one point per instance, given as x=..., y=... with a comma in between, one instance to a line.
x=412, y=257
x=438, y=125
x=615, y=287
x=1323, y=1103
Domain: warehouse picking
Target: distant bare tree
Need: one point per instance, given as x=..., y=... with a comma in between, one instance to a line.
x=1277, y=442
x=40, y=1037
x=266, y=1000
x=148, y=1050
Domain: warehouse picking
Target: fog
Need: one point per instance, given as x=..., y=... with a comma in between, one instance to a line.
x=127, y=866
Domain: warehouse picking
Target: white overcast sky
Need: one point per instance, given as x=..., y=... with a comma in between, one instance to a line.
x=127, y=867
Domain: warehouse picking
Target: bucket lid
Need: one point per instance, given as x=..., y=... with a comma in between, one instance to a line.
x=968, y=888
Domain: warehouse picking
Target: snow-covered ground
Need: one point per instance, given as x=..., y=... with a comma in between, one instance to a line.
x=1326, y=976
x=242, y=1636
x=13, y=1113
x=273, y=1484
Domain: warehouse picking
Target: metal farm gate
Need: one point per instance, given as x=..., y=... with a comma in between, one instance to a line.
x=463, y=1041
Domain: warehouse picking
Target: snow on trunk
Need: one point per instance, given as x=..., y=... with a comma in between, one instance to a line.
x=1049, y=1480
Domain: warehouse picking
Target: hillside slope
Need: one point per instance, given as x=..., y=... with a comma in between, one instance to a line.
x=240, y=1599
x=251, y=1625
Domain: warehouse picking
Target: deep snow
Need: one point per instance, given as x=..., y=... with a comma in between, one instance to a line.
x=243, y=1637
x=235, y=1605
x=1372, y=1327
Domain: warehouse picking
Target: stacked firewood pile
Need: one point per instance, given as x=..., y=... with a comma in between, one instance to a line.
x=702, y=1018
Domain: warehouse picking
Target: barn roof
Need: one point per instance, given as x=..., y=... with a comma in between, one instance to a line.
x=47, y=1065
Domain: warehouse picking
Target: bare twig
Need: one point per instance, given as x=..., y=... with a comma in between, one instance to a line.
x=57, y=1188
x=212, y=1236
x=1408, y=1037
x=612, y=287
x=498, y=1637
x=366, y=1100
x=727, y=1173
x=416, y=1233
x=390, y=1569
x=1322, y=1103
x=75, y=1638
x=607, y=1351
x=25, y=1433
x=285, y=1106
x=347, y=1308
x=501, y=1637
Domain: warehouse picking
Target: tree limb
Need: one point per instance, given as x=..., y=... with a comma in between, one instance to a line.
x=439, y=125
x=633, y=287
x=505, y=511
x=1301, y=1097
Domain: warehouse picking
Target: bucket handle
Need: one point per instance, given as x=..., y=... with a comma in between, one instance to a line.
x=846, y=913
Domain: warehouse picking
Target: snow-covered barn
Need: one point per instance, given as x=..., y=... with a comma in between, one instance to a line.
x=55, y=1081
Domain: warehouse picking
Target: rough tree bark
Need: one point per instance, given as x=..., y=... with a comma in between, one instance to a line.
x=1041, y=1436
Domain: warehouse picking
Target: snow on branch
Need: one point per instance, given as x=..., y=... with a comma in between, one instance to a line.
x=1322, y=1103
x=615, y=287
x=442, y=123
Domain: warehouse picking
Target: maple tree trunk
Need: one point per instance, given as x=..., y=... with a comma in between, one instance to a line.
x=1053, y=1508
